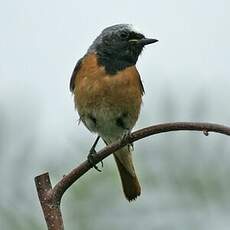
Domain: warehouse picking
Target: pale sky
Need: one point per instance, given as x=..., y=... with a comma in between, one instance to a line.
x=41, y=41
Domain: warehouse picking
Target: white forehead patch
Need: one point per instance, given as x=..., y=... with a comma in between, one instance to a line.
x=134, y=28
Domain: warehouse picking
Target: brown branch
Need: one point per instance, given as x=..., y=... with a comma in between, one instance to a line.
x=50, y=205
x=50, y=198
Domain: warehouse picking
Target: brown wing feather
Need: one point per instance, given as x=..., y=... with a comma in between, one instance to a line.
x=74, y=74
x=141, y=84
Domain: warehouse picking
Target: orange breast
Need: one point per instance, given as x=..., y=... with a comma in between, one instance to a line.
x=107, y=96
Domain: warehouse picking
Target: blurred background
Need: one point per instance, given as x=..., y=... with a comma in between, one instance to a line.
x=184, y=175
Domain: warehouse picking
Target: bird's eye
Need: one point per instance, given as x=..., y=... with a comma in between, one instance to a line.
x=124, y=35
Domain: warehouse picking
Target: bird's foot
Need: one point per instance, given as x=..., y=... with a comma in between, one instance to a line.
x=125, y=136
x=131, y=147
x=91, y=161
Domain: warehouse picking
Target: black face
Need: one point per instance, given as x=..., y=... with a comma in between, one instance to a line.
x=119, y=47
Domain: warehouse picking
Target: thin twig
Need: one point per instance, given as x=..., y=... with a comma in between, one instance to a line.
x=50, y=199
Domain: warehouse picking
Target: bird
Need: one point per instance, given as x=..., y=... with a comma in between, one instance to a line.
x=108, y=90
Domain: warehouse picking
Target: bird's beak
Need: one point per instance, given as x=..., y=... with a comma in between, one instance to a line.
x=146, y=41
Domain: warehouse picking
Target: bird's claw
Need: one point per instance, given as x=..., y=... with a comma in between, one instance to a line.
x=123, y=138
x=90, y=158
x=125, y=135
x=131, y=147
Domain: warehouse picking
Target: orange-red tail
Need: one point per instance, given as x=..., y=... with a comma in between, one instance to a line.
x=130, y=183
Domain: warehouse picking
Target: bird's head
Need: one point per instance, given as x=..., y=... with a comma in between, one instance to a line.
x=119, y=46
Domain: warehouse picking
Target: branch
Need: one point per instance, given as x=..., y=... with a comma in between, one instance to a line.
x=50, y=205
x=50, y=198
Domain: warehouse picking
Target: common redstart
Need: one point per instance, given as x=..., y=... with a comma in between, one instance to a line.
x=108, y=93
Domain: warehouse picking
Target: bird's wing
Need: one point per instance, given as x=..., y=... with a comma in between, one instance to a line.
x=140, y=83
x=74, y=74
x=141, y=86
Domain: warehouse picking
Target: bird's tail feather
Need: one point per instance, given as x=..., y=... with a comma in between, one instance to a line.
x=129, y=180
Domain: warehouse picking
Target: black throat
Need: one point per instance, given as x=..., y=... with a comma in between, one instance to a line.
x=117, y=59
x=113, y=64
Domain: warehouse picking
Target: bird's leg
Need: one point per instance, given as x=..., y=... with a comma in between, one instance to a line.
x=90, y=156
x=92, y=150
x=124, y=136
